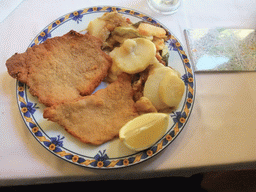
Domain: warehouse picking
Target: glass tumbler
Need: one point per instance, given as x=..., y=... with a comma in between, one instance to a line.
x=164, y=6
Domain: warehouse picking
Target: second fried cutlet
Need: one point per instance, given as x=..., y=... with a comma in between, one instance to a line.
x=62, y=68
x=97, y=118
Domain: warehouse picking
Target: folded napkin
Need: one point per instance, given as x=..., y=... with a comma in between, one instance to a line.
x=7, y=6
x=222, y=49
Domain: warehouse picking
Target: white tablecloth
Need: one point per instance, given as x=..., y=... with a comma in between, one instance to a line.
x=220, y=133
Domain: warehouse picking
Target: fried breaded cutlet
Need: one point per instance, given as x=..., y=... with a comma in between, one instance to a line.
x=62, y=68
x=97, y=118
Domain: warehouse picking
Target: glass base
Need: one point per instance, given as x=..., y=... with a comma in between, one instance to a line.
x=163, y=9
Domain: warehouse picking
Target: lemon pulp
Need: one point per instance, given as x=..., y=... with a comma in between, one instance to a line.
x=144, y=131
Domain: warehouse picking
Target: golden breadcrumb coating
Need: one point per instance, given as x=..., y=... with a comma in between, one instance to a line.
x=62, y=68
x=97, y=118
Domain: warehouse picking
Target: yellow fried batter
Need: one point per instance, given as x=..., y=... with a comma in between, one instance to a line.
x=97, y=118
x=62, y=68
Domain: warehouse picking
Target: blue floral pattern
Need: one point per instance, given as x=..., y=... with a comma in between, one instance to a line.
x=179, y=117
x=172, y=44
x=55, y=143
x=188, y=79
x=44, y=35
x=102, y=160
x=76, y=16
x=29, y=108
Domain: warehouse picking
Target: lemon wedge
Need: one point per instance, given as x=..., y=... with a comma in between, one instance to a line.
x=144, y=131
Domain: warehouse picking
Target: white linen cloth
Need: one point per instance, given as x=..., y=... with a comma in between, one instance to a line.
x=219, y=134
x=6, y=7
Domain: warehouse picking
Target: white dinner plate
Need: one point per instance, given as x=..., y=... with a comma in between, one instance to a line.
x=113, y=154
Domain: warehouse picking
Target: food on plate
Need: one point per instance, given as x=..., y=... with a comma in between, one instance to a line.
x=62, y=68
x=97, y=118
x=113, y=29
x=102, y=26
x=164, y=88
x=159, y=43
x=152, y=85
x=64, y=71
x=164, y=55
x=133, y=56
x=144, y=105
x=98, y=29
x=171, y=89
x=144, y=131
x=120, y=34
x=147, y=29
x=138, y=83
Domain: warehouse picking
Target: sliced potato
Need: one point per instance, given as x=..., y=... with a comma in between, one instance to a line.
x=146, y=29
x=155, y=64
x=152, y=86
x=159, y=43
x=171, y=89
x=114, y=19
x=97, y=28
x=102, y=26
x=134, y=55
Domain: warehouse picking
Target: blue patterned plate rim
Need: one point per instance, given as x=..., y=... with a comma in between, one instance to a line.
x=101, y=159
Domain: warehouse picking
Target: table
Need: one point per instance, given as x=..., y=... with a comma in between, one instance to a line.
x=220, y=133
